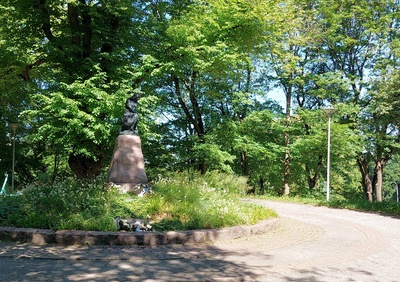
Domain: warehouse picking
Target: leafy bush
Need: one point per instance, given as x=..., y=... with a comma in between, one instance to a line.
x=65, y=205
x=180, y=201
x=8, y=205
x=208, y=201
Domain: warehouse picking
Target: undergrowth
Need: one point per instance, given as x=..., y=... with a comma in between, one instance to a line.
x=180, y=201
x=357, y=204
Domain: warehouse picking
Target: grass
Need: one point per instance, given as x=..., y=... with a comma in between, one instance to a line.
x=211, y=201
x=386, y=207
x=180, y=201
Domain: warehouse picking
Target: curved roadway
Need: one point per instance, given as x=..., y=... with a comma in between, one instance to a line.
x=311, y=244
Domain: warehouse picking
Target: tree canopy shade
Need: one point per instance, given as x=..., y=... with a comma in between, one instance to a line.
x=80, y=65
x=367, y=33
x=205, y=68
x=204, y=62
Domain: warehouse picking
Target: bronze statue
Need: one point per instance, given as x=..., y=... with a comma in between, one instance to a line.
x=131, y=117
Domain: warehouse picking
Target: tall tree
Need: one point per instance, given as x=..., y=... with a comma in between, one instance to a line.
x=291, y=62
x=360, y=42
x=384, y=136
x=206, y=56
x=81, y=64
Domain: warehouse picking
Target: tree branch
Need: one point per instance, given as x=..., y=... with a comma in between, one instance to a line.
x=25, y=72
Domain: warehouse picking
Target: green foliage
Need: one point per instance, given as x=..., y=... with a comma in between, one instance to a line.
x=214, y=156
x=215, y=35
x=65, y=205
x=204, y=202
x=205, y=67
x=358, y=204
x=229, y=184
x=72, y=63
x=309, y=150
x=82, y=111
x=391, y=178
x=202, y=73
x=180, y=201
x=9, y=205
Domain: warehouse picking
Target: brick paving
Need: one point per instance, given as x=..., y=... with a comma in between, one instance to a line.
x=310, y=244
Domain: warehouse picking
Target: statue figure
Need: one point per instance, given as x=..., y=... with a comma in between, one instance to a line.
x=131, y=117
x=127, y=163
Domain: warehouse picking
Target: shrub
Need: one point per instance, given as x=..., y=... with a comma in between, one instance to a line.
x=179, y=201
x=65, y=205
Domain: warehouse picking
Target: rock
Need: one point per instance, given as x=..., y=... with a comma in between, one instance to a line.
x=127, y=164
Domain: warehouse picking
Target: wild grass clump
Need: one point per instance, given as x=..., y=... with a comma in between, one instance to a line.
x=362, y=204
x=190, y=201
x=64, y=205
x=180, y=201
x=357, y=204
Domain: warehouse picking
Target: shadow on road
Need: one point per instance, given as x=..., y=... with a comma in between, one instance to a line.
x=165, y=263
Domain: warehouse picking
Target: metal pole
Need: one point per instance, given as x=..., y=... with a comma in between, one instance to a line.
x=329, y=112
x=14, y=127
x=13, y=166
x=328, y=159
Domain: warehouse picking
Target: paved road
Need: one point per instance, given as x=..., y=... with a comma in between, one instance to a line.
x=311, y=244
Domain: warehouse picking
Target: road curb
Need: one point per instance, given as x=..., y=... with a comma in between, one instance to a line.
x=78, y=237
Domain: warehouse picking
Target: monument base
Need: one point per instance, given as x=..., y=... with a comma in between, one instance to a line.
x=127, y=164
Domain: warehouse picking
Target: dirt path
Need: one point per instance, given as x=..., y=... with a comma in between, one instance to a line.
x=311, y=244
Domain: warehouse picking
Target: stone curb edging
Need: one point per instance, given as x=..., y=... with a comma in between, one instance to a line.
x=78, y=237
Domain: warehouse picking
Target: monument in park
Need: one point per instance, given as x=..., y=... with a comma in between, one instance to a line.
x=127, y=163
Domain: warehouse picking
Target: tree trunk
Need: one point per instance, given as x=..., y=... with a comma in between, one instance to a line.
x=262, y=192
x=313, y=179
x=365, y=176
x=244, y=159
x=202, y=166
x=194, y=116
x=286, y=174
x=56, y=163
x=85, y=167
x=242, y=115
x=286, y=162
x=379, y=180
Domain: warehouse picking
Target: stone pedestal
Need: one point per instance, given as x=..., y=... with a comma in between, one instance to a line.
x=127, y=164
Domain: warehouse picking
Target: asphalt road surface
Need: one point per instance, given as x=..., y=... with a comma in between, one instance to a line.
x=311, y=244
